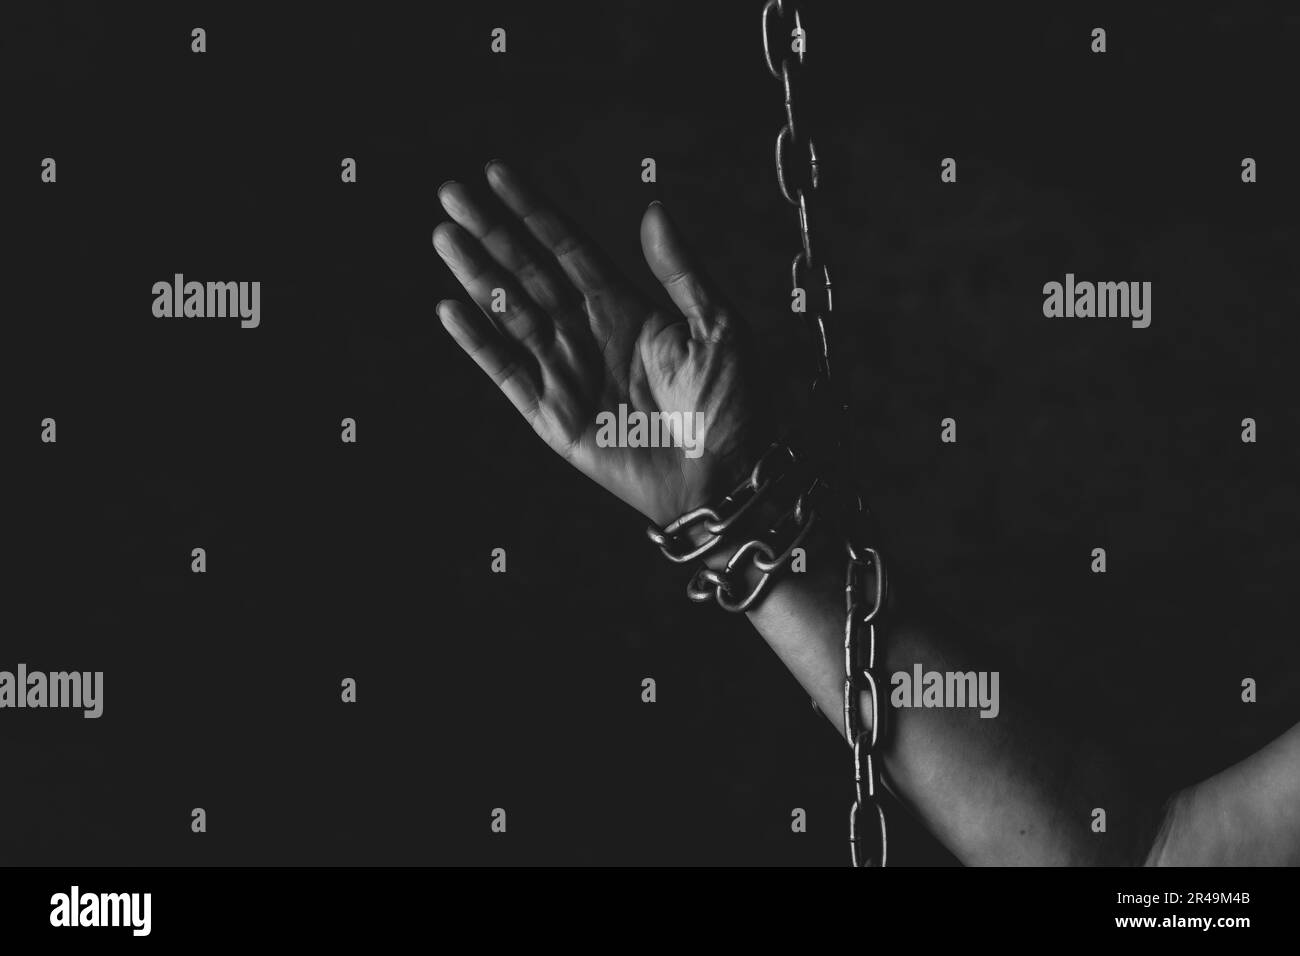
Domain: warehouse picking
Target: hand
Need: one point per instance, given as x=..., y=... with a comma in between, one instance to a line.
x=576, y=339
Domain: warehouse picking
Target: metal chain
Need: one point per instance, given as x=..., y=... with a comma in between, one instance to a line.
x=765, y=555
x=674, y=540
x=698, y=532
x=783, y=28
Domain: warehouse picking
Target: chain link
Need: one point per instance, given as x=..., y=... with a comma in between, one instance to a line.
x=764, y=554
x=675, y=540
x=698, y=532
x=865, y=583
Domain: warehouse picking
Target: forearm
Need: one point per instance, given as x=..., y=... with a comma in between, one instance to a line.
x=1010, y=789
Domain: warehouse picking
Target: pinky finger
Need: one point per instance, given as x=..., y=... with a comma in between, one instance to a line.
x=504, y=360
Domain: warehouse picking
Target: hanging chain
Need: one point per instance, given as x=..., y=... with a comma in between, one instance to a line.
x=865, y=584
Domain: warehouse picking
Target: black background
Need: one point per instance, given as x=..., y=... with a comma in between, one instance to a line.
x=522, y=690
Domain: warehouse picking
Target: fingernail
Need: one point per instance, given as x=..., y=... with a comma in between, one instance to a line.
x=488, y=165
x=440, y=242
x=654, y=202
x=445, y=185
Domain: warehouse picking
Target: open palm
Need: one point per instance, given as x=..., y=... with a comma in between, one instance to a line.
x=571, y=338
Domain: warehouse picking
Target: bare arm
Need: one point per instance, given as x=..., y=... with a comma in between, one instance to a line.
x=1248, y=815
x=574, y=339
x=1005, y=790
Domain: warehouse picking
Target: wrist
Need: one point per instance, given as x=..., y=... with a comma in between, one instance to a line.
x=761, y=532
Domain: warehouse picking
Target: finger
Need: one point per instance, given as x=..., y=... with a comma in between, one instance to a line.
x=504, y=361
x=507, y=243
x=496, y=293
x=584, y=264
x=675, y=267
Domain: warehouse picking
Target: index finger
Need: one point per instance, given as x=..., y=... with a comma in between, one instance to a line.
x=584, y=264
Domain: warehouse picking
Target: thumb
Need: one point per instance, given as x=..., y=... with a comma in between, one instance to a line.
x=676, y=269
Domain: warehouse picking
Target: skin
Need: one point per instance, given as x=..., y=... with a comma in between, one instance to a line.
x=576, y=338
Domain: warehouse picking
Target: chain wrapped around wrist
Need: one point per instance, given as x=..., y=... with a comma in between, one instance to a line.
x=779, y=481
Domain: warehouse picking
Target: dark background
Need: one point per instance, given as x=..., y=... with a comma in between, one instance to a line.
x=371, y=560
